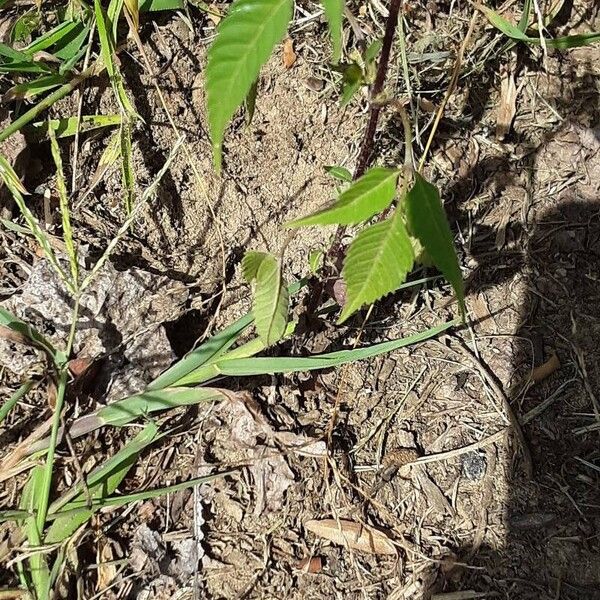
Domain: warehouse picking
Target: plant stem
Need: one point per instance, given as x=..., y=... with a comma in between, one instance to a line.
x=335, y=250
x=47, y=483
x=63, y=376
x=382, y=68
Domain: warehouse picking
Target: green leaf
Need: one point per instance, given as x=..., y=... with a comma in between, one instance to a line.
x=367, y=196
x=146, y=494
x=101, y=483
x=36, y=339
x=157, y=5
x=524, y=20
x=24, y=26
x=129, y=409
x=242, y=367
x=30, y=89
x=352, y=79
x=38, y=572
x=514, y=32
x=10, y=177
x=69, y=126
x=250, y=264
x=315, y=260
x=245, y=39
x=271, y=301
x=372, y=51
x=377, y=262
x=334, y=12
x=107, y=49
x=211, y=349
x=65, y=213
x=52, y=37
x=427, y=221
x=340, y=173
x=12, y=401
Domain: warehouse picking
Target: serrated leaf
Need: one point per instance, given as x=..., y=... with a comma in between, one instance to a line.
x=250, y=263
x=271, y=301
x=367, y=196
x=245, y=40
x=377, y=263
x=427, y=221
x=334, y=12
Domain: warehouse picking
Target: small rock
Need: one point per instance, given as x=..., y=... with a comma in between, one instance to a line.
x=473, y=466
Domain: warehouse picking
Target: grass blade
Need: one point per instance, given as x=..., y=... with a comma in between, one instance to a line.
x=334, y=12
x=29, y=334
x=68, y=126
x=129, y=409
x=30, y=89
x=514, y=32
x=101, y=483
x=210, y=350
x=107, y=49
x=12, y=401
x=127, y=170
x=238, y=367
x=145, y=495
x=38, y=575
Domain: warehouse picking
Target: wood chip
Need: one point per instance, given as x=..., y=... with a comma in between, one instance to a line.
x=354, y=535
x=289, y=56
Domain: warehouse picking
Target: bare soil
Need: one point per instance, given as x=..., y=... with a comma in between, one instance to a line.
x=526, y=212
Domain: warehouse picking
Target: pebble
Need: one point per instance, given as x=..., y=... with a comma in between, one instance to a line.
x=473, y=466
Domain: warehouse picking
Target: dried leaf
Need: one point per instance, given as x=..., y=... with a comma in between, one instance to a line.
x=508, y=104
x=289, y=56
x=540, y=373
x=80, y=365
x=427, y=105
x=355, y=535
x=52, y=391
x=310, y=564
x=214, y=14
x=6, y=333
x=107, y=570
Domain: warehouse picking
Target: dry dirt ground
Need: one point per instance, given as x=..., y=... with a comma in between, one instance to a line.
x=470, y=519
